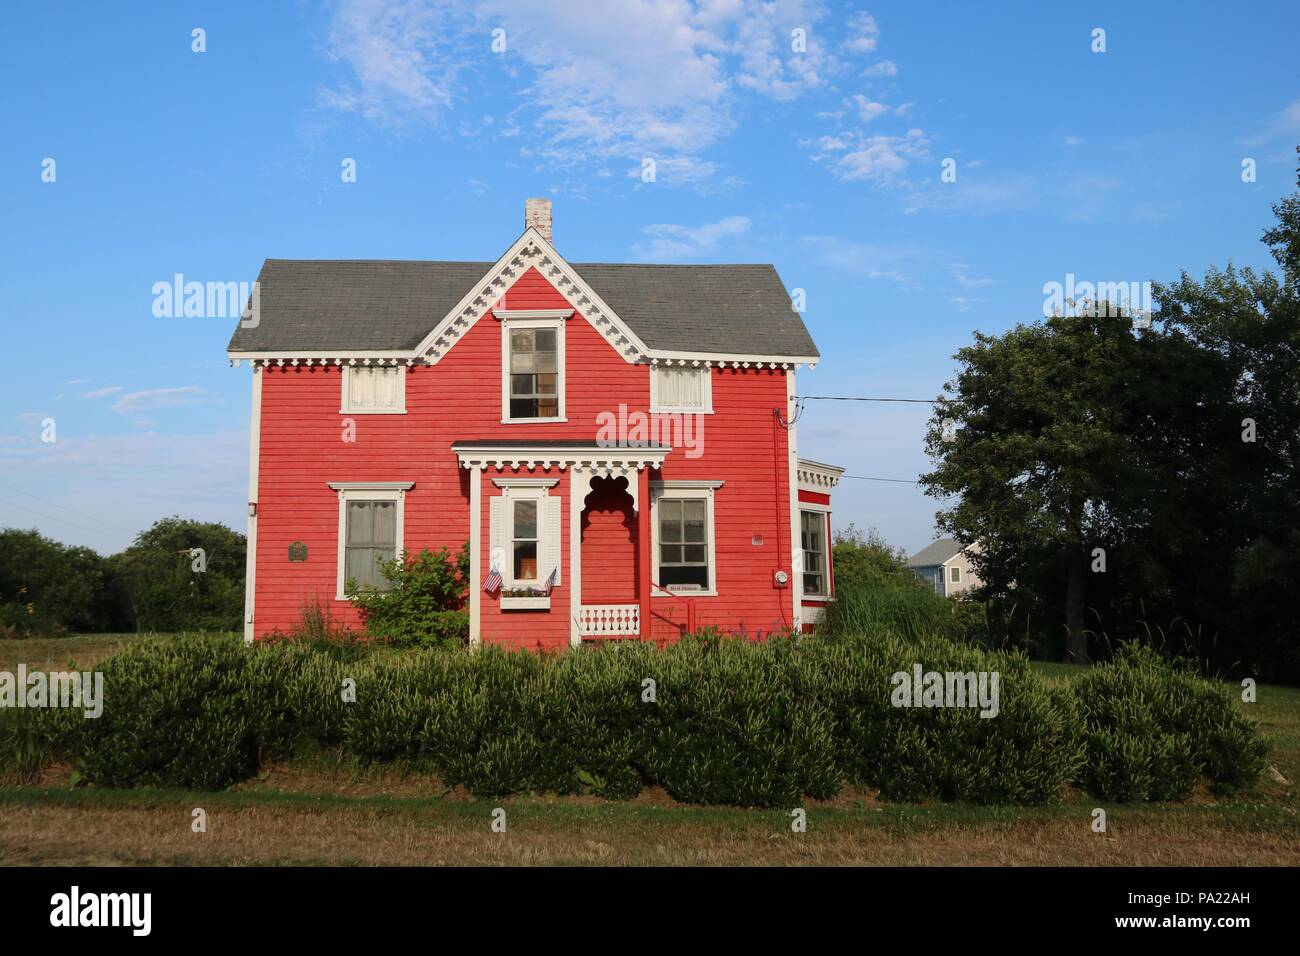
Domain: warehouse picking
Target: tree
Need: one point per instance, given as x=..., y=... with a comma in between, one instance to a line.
x=47, y=587
x=1033, y=441
x=184, y=575
x=1168, y=458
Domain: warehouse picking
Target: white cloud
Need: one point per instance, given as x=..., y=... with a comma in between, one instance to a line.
x=101, y=392
x=403, y=54
x=133, y=402
x=853, y=155
x=961, y=272
x=670, y=241
x=864, y=33
x=1073, y=140
x=867, y=260
x=600, y=80
x=883, y=68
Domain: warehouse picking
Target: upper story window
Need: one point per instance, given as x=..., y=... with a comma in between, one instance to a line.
x=681, y=389
x=812, y=532
x=532, y=365
x=956, y=575
x=369, y=390
x=534, y=374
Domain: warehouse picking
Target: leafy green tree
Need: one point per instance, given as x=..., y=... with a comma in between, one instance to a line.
x=184, y=575
x=47, y=587
x=1033, y=445
x=1169, y=459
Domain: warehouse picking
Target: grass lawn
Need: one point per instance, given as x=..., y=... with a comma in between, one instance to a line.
x=318, y=812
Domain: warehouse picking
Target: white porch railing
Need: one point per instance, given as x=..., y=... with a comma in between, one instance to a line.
x=609, y=620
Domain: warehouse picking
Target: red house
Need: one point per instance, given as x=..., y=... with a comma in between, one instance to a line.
x=616, y=442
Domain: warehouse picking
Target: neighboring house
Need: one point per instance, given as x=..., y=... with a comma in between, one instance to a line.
x=616, y=443
x=945, y=566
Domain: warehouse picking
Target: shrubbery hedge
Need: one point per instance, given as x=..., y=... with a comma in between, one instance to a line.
x=730, y=721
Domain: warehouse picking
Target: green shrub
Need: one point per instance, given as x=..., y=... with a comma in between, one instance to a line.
x=1152, y=731
x=176, y=714
x=424, y=604
x=730, y=721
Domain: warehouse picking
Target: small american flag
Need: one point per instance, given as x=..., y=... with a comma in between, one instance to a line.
x=550, y=582
x=492, y=584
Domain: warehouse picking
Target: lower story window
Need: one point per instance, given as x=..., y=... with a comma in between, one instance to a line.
x=371, y=538
x=523, y=543
x=812, y=528
x=683, y=544
x=370, y=531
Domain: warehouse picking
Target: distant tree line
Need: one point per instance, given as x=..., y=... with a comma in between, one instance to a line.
x=179, y=575
x=1126, y=482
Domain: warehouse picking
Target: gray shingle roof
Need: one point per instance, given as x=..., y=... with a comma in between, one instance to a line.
x=936, y=553
x=386, y=305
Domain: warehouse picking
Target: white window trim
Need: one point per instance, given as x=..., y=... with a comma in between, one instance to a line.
x=367, y=491
x=825, y=512
x=532, y=319
x=683, y=489
x=345, y=399
x=655, y=407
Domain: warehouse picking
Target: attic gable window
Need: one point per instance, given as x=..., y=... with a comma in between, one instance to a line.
x=532, y=365
x=373, y=390
x=681, y=389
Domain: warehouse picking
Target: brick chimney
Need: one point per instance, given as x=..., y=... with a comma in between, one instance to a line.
x=537, y=213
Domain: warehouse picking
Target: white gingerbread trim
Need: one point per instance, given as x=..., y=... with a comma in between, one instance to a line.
x=818, y=477
x=531, y=250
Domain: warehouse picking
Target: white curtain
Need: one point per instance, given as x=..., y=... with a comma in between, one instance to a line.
x=681, y=387
x=373, y=387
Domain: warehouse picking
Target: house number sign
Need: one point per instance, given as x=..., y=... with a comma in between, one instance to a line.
x=297, y=551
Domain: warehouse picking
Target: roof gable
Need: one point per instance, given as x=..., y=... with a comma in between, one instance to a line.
x=938, y=552
x=416, y=310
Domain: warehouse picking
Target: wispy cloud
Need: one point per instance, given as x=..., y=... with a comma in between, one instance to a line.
x=670, y=242
x=866, y=260
x=134, y=402
x=101, y=392
x=961, y=272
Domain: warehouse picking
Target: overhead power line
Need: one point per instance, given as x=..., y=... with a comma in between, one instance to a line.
x=859, y=398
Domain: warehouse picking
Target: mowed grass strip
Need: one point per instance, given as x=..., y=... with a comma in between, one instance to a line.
x=61, y=827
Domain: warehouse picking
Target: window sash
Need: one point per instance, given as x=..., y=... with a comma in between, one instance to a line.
x=812, y=541
x=370, y=536
x=684, y=542
x=534, y=373
x=524, y=539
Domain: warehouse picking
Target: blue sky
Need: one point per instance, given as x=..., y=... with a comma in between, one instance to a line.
x=1123, y=165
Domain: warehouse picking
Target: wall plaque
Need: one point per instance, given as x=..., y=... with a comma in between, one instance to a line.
x=297, y=551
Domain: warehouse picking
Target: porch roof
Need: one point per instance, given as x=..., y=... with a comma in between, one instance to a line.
x=558, y=453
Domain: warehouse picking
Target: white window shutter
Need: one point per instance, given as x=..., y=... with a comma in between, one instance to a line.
x=497, y=535
x=551, y=539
